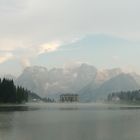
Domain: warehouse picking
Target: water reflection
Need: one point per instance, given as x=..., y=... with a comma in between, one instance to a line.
x=53, y=122
x=64, y=107
x=11, y=108
x=6, y=124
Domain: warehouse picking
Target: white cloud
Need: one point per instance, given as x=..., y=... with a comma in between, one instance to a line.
x=5, y=57
x=27, y=25
x=48, y=19
x=7, y=45
x=25, y=62
x=49, y=47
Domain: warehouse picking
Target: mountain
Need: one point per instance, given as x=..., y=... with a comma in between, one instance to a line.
x=84, y=79
x=121, y=82
x=32, y=97
x=136, y=77
x=88, y=91
x=57, y=80
x=105, y=75
x=8, y=76
x=34, y=79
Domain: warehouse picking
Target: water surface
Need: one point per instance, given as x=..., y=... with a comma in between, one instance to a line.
x=69, y=122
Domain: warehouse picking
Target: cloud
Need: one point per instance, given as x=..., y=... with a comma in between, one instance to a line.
x=49, y=47
x=24, y=52
x=25, y=62
x=9, y=44
x=5, y=57
x=46, y=20
x=30, y=27
x=17, y=49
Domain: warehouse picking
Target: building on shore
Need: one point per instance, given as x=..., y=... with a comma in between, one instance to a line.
x=69, y=98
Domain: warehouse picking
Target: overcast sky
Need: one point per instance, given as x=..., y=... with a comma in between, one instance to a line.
x=38, y=32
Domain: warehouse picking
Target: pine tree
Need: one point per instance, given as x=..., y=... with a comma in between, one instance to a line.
x=9, y=93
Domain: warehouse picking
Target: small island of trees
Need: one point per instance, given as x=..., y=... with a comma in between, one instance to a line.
x=9, y=93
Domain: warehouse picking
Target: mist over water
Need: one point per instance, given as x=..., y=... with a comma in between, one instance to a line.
x=69, y=122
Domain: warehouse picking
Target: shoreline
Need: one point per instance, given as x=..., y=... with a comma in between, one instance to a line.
x=72, y=105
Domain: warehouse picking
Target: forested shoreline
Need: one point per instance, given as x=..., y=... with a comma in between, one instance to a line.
x=9, y=93
x=125, y=96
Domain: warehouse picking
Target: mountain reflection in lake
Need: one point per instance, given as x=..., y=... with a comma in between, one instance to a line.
x=69, y=122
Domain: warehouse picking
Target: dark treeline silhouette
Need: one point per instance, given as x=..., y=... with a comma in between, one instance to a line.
x=128, y=96
x=9, y=93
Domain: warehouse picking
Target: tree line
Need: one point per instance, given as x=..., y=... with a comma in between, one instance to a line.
x=9, y=93
x=127, y=96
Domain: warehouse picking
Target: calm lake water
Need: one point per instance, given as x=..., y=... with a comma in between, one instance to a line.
x=69, y=122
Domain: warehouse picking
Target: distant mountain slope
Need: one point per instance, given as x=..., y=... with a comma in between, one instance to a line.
x=57, y=80
x=122, y=82
x=33, y=97
x=107, y=74
x=84, y=79
x=34, y=79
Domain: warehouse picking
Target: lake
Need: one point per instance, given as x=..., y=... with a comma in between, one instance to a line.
x=69, y=122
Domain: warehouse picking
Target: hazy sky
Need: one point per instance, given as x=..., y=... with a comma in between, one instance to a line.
x=43, y=32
